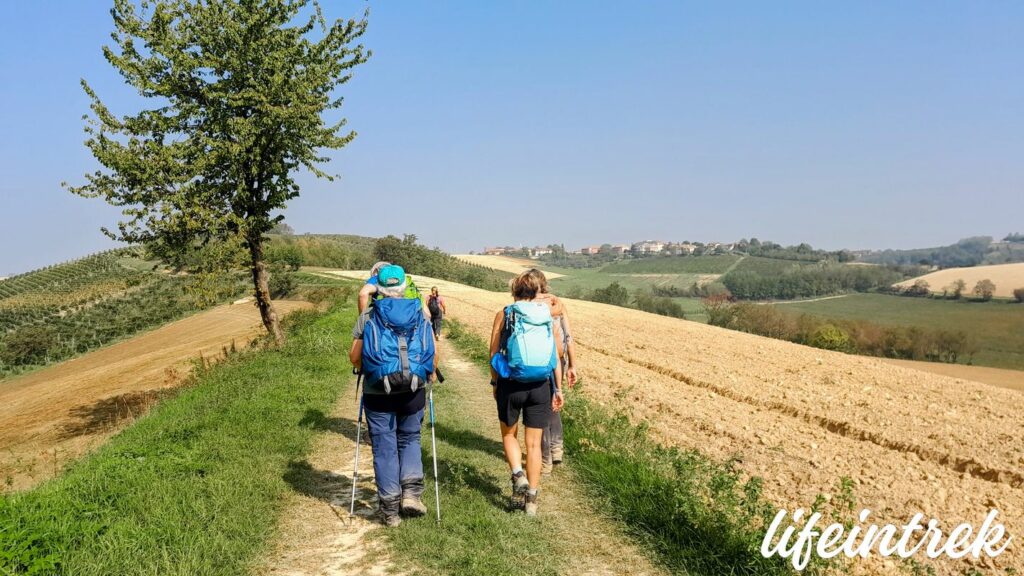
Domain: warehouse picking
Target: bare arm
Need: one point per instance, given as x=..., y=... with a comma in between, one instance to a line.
x=364, y=295
x=499, y=318
x=355, y=354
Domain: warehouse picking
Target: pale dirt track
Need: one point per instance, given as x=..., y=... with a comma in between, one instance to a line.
x=803, y=418
x=56, y=414
x=504, y=263
x=1006, y=277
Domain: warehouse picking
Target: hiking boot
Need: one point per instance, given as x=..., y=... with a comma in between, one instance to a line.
x=388, y=510
x=519, y=483
x=531, y=503
x=413, y=506
x=412, y=502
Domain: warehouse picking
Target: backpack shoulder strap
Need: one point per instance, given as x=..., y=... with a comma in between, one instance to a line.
x=506, y=329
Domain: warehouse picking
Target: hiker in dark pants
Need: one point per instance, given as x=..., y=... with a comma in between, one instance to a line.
x=526, y=379
x=437, y=309
x=394, y=393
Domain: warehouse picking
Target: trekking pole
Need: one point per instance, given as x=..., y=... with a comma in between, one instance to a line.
x=433, y=451
x=359, y=429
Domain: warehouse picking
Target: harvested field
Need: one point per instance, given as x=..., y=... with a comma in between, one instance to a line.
x=802, y=418
x=56, y=414
x=1006, y=277
x=503, y=263
x=1011, y=379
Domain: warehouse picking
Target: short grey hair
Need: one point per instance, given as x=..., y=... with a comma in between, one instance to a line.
x=392, y=291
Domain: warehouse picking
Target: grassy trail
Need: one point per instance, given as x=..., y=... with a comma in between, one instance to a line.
x=478, y=535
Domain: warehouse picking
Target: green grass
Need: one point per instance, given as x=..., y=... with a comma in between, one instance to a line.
x=194, y=487
x=997, y=326
x=718, y=264
x=772, y=266
x=693, y=514
x=477, y=535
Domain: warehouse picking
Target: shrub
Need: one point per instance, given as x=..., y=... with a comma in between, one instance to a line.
x=28, y=345
x=281, y=284
x=984, y=289
x=665, y=306
x=1018, y=294
x=719, y=310
x=919, y=289
x=614, y=294
x=831, y=337
x=764, y=321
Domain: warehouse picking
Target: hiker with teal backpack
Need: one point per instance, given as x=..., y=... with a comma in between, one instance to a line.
x=393, y=350
x=526, y=379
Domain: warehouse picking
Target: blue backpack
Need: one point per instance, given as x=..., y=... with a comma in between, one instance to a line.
x=398, y=347
x=527, y=351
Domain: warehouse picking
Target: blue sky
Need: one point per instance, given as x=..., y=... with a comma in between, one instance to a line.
x=860, y=125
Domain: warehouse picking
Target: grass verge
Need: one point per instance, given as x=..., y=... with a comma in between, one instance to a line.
x=695, y=515
x=195, y=486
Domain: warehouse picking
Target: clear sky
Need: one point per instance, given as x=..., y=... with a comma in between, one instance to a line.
x=859, y=125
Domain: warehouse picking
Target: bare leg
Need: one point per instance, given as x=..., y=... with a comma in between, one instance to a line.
x=510, y=441
x=533, y=455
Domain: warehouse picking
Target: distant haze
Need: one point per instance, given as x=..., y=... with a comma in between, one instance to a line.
x=841, y=125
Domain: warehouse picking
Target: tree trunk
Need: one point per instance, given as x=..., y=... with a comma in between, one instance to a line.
x=261, y=281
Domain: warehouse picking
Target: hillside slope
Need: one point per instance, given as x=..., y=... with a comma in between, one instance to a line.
x=801, y=417
x=1006, y=277
x=55, y=414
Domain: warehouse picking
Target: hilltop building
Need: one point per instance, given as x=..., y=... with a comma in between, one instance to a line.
x=648, y=247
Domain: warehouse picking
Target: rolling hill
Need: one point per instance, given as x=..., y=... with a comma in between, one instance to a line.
x=1007, y=278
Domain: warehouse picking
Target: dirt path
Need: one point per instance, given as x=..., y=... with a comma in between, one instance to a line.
x=54, y=415
x=316, y=537
x=802, y=301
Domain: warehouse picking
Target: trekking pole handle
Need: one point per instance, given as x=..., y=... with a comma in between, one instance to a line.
x=440, y=376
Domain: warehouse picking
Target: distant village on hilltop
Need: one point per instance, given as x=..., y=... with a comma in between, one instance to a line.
x=642, y=248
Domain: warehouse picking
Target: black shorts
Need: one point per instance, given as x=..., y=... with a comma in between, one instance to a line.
x=533, y=399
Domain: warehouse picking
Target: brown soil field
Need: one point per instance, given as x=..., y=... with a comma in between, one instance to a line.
x=54, y=415
x=1002, y=377
x=1006, y=277
x=504, y=263
x=803, y=418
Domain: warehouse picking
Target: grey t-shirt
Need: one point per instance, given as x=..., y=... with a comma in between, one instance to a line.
x=360, y=325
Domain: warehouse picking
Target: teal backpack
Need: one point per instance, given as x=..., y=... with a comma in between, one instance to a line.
x=527, y=350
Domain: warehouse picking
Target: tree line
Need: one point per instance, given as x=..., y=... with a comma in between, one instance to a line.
x=851, y=336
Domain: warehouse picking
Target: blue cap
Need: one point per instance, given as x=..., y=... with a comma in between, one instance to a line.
x=391, y=275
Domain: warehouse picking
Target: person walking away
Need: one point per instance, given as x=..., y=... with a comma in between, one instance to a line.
x=552, y=442
x=526, y=379
x=437, y=308
x=393, y=347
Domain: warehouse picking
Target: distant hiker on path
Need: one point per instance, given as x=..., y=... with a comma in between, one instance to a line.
x=437, y=308
x=526, y=378
x=552, y=442
x=393, y=348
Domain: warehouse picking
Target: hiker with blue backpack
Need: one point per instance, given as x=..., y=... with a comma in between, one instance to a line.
x=393, y=350
x=526, y=379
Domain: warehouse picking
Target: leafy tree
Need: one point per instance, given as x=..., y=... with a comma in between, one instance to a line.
x=614, y=294
x=984, y=289
x=236, y=92
x=1018, y=294
x=27, y=345
x=830, y=337
x=958, y=288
